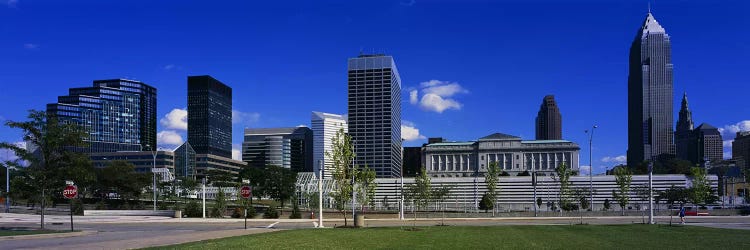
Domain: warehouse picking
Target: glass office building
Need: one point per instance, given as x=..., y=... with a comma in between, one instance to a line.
x=209, y=116
x=290, y=148
x=184, y=161
x=374, y=103
x=118, y=114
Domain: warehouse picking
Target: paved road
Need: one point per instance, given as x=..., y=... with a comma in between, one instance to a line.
x=113, y=232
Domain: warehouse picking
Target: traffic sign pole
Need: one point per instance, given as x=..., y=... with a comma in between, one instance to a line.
x=246, y=192
x=70, y=192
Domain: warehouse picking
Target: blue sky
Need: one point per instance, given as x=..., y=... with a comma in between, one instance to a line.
x=283, y=60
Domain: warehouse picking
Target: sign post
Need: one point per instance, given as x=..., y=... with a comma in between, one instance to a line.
x=70, y=192
x=246, y=192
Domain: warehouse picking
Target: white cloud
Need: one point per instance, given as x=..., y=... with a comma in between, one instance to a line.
x=12, y=3
x=437, y=95
x=30, y=46
x=615, y=159
x=413, y=96
x=239, y=117
x=175, y=119
x=169, y=66
x=169, y=138
x=410, y=132
x=728, y=143
x=237, y=152
x=408, y=3
x=728, y=155
x=9, y=155
x=436, y=103
x=730, y=131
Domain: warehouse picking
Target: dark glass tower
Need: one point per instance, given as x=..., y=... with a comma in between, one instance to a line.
x=209, y=116
x=375, y=113
x=650, y=94
x=549, y=120
x=184, y=161
x=290, y=148
x=119, y=114
x=683, y=137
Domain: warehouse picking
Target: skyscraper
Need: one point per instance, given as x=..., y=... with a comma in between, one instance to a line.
x=650, y=91
x=209, y=116
x=324, y=127
x=290, y=148
x=119, y=115
x=209, y=128
x=375, y=113
x=549, y=120
x=741, y=149
x=710, y=145
x=685, y=146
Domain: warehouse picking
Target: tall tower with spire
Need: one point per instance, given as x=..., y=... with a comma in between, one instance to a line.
x=650, y=94
x=682, y=134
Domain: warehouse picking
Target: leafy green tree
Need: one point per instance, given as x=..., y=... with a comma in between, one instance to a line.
x=607, y=204
x=119, y=177
x=280, y=183
x=700, y=192
x=366, y=186
x=563, y=177
x=295, y=209
x=52, y=158
x=486, y=202
x=258, y=180
x=623, y=178
x=220, y=178
x=539, y=202
x=440, y=194
x=420, y=192
x=342, y=157
x=220, y=204
x=271, y=212
x=193, y=210
x=491, y=178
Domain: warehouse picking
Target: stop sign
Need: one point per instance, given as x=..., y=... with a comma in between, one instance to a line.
x=70, y=192
x=246, y=192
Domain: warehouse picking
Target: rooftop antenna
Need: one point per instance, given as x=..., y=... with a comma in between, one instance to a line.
x=649, y=7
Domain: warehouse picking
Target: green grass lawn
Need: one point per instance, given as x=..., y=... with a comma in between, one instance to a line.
x=498, y=237
x=27, y=232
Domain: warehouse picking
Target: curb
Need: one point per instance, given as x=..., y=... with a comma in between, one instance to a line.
x=47, y=236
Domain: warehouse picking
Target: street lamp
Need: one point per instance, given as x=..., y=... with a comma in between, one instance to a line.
x=7, y=182
x=591, y=167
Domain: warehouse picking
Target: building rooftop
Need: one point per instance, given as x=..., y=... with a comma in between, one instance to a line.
x=500, y=136
x=650, y=25
x=468, y=143
x=546, y=141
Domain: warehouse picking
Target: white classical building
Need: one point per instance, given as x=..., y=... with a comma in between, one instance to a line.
x=324, y=127
x=513, y=155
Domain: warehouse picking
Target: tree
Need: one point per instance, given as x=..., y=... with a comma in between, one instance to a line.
x=607, y=204
x=539, y=202
x=342, y=156
x=440, y=194
x=220, y=204
x=53, y=141
x=420, y=192
x=280, y=183
x=563, y=177
x=486, y=202
x=295, y=209
x=642, y=192
x=258, y=180
x=220, y=178
x=674, y=195
x=366, y=186
x=623, y=178
x=491, y=178
x=700, y=192
x=120, y=178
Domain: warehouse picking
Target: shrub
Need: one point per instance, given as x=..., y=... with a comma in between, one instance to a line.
x=271, y=213
x=193, y=210
x=486, y=203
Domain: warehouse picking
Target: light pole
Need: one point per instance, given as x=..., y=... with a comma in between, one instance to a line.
x=591, y=167
x=320, y=194
x=650, y=192
x=153, y=174
x=401, y=192
x=203, y=189
x=354, y=196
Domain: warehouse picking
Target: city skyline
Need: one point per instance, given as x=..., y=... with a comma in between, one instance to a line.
x=462, y=114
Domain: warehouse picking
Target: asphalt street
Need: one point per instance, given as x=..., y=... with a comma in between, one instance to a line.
x=113, y=232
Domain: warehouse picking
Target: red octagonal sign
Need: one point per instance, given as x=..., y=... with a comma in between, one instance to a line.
x=70, y=192
x=246, y=192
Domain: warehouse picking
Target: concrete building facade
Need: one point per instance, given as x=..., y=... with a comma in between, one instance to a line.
x=374, y=104
x=324, y=128
x=514, y=156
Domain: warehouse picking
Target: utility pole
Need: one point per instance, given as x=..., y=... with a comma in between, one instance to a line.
x=591, y=167
x=401, y=198
x=153, y=173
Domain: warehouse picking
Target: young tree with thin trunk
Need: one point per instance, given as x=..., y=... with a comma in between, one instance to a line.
x=366, y=186
x=421, y=191
x=563, y=177
x=623, y=178
x=700, y=192
x=491, y=178
x=342, y=155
